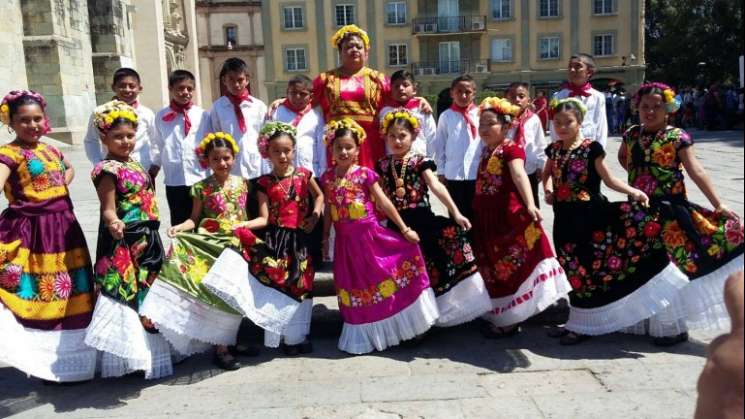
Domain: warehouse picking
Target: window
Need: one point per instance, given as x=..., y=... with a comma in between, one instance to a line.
x=398, y=55
x=295, y=59
x=550, y=47
x=603, y=44
x=231, y=36
x=501, y=9
x=294, y=18
x=395, y=13
x=604, y=7
x=344, y=14
x=501, y=49
x=548, y=8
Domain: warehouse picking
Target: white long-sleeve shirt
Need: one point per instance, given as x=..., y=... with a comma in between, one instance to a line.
x=595, y=124
x=310, y=151
x=249, y=163
x=535, y=144
x=456, y=152
x=174, y=152
x=424, y=142
x=96, y=151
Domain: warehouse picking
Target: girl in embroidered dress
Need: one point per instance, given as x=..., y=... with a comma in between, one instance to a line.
x=380, y=277
x=706, y=245
x=46, y=291
x=612, y=252
x=514, y=255
x=129, y=253
x=277, y=294
x=189, y=315
x=407, y=179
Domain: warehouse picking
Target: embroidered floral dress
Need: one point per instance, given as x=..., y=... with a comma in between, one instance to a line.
x=612, y=252
x=189, y=315
x=705, y=245
x=447, y=250
x=380, y=278
x=124, y=272
x=514, y=254
x=46, y=298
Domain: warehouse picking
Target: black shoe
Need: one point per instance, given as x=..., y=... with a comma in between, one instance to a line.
x=557, y=332
x=490, y=331
x=306, y=347
x=571, y=339
x=244, y=350
x=300, y=349
x=226, y=361
x=668, y=341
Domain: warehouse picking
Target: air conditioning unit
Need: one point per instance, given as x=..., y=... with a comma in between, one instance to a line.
x=478, y=26
x=428, y=71
x=481, y=68
x=421, y=27
x=430, y=28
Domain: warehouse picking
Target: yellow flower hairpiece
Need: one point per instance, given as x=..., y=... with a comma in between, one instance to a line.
x=106, y=114
x=500, y=106
x=348, y=123
x=5, y=114
x=202, y=147
x=350, y=30
x=400, y=113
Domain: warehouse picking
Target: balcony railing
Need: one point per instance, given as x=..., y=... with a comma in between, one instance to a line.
x=448, y=25
x=450, y=67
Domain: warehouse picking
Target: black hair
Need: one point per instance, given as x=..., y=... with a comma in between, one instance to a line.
x=347, y=37
x=570, y=106
x=126, y=72
x=502, y=118
x=404, y=123
x=402, y=75
x=302, y=80
x=516, y=84
x=234, y=65
x=464, y=78
x=24, y=100
x=279, y=134
x=179, y=76
x=586, y=58
x=217, y=143
x=344, y=131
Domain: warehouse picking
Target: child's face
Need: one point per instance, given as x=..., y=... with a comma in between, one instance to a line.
x=519, y=96
x=566, y=125
x=182, y=92
x=345, y=151
x=491, y=129
x=299, y=95
x=463, y=93
x=652, y=111
x=579, y=72
x=221, y=161
x=127, y=89
x=235, y=82
x=282, y=153
x=28, y=122
x=399, y=140
x=120, y=140
x=403, y=91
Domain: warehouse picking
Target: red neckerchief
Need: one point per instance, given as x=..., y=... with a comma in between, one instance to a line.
x=135, y=104
x=574, y=91
x=236, y=100
x=519, y=138
x=464, y=112
x=300, y=113
x=412, y=104
x=176, y=109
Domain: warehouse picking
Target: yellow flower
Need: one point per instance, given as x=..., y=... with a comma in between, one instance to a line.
x=494, y=167
x=387, y=288
x=334, y=213
x=344, y=298
x=211, y=137
x=4, y=109
x=714, y=250
x=532, y=234
x=109, y=120
x=198, y=270
x=357, y=211
x=703, y=225
x=350, y=29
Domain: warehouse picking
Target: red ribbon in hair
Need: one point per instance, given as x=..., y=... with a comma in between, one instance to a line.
x=464, y=111
x=176, y=109
x=236, y=100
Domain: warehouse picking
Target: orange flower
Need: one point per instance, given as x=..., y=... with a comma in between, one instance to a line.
x=665, y=155
x=673, y=235
x=703, y=225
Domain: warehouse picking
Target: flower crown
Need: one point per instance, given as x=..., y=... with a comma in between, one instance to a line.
x=201, y=149
x=345, y=31
x=14, y=95
x=271, y=129
x=400, y=113
x=106, y=114
x=348, y=123
x=672, y=102
x=555, y=103
x=500, y=106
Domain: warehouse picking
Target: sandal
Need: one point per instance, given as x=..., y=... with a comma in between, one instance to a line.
x=226, y=361
x=244, y=350
x=572, y=338
x=557, y=332
x=667, y=341
x=490, y=331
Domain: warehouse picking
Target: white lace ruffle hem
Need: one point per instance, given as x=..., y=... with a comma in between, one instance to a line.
x=297, y=331
x=466, y=301
x=704, y=298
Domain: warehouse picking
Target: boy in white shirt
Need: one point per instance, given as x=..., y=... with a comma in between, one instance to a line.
x=457, y=146
x=404, y=95
x=595, y=125
x=127, y=87
x=240, y=115
x=527, y=131
x=297, y=110
x=179, y=128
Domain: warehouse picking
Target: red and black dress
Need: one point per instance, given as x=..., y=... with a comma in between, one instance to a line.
x=513, y=252
x=451, y=264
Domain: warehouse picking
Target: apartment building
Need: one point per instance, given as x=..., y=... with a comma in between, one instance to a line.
x=497, y=41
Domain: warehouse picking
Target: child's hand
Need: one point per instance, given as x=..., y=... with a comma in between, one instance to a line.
x=725, y=211
x=548, y=196
x=173, y=231
x=425, y=107
x=411, y=236
x=462, y=221
x=116, y=229
x=640, y=197
x=310, y=223
x=535, y=214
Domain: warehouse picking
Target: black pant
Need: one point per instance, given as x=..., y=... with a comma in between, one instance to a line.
x=179, y=203
x=462, y=192
x=534, y=182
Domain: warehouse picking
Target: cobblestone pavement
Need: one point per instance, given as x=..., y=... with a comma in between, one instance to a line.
x=453, y=374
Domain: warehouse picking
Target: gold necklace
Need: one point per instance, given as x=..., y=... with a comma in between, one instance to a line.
x=400, y=184
x=279, y=182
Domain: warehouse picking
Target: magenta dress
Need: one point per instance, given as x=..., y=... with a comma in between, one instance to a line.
x=380, y=278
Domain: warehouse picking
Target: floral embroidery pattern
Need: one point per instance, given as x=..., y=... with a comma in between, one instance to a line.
x=347, y=196
x=571, y=172
x=223, y=205
x=288, y=198
x=135, y=197
x=489, y=180
x=417, y=193
x=400, y=278
x=654, y=165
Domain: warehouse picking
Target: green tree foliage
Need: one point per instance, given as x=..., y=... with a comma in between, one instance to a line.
x=681, y=34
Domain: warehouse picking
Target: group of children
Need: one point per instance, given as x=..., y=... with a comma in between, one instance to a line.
x=248, y=186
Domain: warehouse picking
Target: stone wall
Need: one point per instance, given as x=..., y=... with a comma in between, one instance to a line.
x=111, y=43
x=12, y=59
